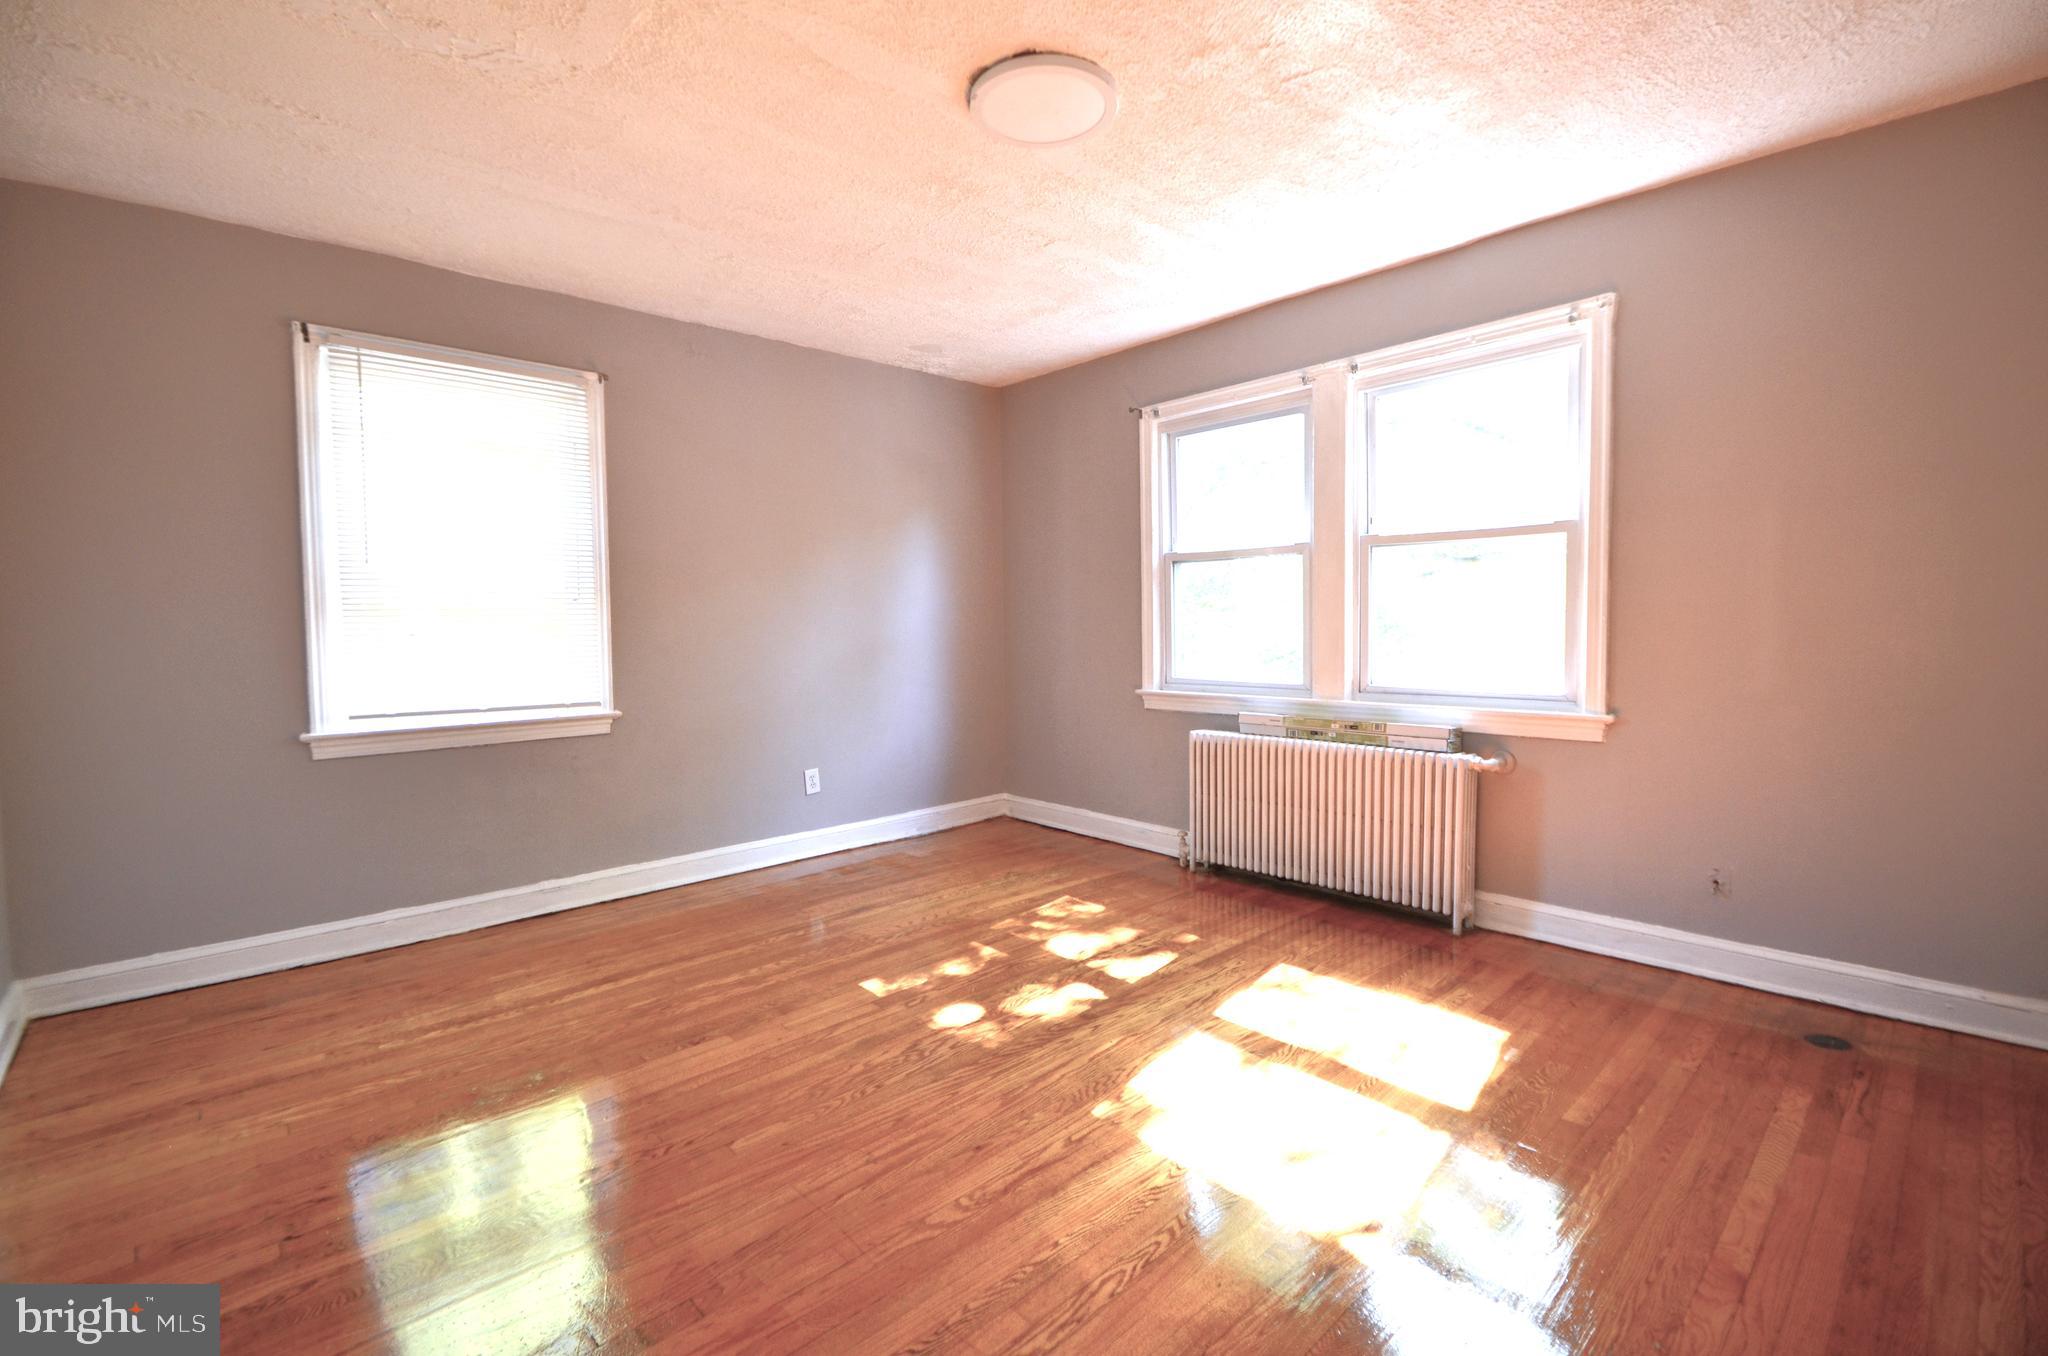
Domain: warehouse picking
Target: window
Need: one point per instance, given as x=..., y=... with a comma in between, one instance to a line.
x=454, y=540
x=1237, y=570
x=1418, y=533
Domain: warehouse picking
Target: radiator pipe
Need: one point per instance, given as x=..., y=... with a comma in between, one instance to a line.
x=1504, y=761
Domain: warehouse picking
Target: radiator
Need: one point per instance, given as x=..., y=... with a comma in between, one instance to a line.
x=1393, y=825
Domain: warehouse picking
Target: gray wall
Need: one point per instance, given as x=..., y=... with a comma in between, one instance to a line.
x=7, y=975
x=806, y=572
x=1829, y=632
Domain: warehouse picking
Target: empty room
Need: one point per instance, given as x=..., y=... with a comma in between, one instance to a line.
x=1244, y=677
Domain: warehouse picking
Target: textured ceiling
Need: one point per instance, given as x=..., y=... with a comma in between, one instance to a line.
x=807, y=171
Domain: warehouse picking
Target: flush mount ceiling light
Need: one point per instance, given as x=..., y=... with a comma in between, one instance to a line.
x=1042, y=98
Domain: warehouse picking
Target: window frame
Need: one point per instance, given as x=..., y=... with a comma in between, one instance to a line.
x=333, y=736
x=1202, y=422
x=1341, y=465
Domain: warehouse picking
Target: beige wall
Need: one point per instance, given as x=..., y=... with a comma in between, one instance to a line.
x=806, y=572
x=1830, y=561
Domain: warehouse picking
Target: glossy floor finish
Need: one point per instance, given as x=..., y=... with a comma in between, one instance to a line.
x=1008, y=1089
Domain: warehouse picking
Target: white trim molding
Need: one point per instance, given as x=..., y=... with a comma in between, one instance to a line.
x=118, y=981
x=1860, y=988
x=356, y=743
x=13, y=1022
x=1134, y=833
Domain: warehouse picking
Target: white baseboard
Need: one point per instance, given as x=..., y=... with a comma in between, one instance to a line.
x=1887, y=993
x=2007, y=1017
x=13, y=1021
x=1861, y=988
x=1094, y=824
x=118, y=981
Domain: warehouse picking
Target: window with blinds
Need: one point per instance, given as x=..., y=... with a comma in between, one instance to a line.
x=455, y=561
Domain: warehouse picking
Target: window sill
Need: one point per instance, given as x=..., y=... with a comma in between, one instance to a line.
x=357, y=743
x=1577, y=725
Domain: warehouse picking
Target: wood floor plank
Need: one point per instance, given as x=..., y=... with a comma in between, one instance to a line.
x=2031, y=1125
x=2000, y=1318
x=1007, y=1089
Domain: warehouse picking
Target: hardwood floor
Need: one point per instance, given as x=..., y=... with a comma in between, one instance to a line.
x=1009, y=1089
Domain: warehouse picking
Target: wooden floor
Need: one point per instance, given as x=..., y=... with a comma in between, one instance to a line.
x=1009, y=1089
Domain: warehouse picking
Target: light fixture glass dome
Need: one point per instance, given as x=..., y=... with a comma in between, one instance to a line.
x=1042, y=98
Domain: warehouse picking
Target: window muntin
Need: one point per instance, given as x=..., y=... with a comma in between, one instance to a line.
x=454, y=517
x=1236, y=567
x=1455, y=563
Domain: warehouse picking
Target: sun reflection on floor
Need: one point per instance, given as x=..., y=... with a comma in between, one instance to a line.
x=481, y=1239
x=1047, y=1003
x=1453, y=1247
x=1079, y=946
x=1495, y=1225
x=1444, y=1056
x=1073, y=931
x=1314, y=1156
x=980, y=955
x=1131, y=969
x=958, y=1014
x=1421, y=1312
x=1299, y=1179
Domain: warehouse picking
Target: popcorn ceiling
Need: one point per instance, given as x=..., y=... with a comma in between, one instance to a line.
x=809, y=172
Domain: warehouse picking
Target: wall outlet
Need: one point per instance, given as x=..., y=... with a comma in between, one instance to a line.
x=813, y=784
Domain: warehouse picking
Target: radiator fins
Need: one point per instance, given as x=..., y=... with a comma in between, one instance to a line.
x=1393, y=825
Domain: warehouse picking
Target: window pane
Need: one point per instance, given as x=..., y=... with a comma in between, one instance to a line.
x=1489, y=446
x=1238, y=621
x=1242, y=485
x=1485, y=617
x=460, y=517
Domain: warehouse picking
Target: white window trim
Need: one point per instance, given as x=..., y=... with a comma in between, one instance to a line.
x=1335, y=601
x=410, y=733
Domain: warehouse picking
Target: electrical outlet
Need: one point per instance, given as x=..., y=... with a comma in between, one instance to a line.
x=1719, y=883
x=813, y=784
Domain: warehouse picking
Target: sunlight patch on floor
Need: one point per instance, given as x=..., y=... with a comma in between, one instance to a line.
x=1313, y=1156
x=1131, y=969
x=1424, y=1049
x=1458, y=1249
x=1419, y=1311
x=958, y=1014
x=1073, y=931
x=1049, y=1004
x=1080, y=946
x=980, y=955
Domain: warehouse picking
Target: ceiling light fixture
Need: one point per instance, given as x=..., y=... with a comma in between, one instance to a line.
x=1042, y=98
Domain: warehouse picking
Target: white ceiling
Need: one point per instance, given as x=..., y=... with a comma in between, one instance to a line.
x=808, y=171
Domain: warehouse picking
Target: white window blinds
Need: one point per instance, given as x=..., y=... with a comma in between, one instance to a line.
x=456, y=538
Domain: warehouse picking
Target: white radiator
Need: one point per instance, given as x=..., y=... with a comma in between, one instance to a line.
x=1391, y=824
